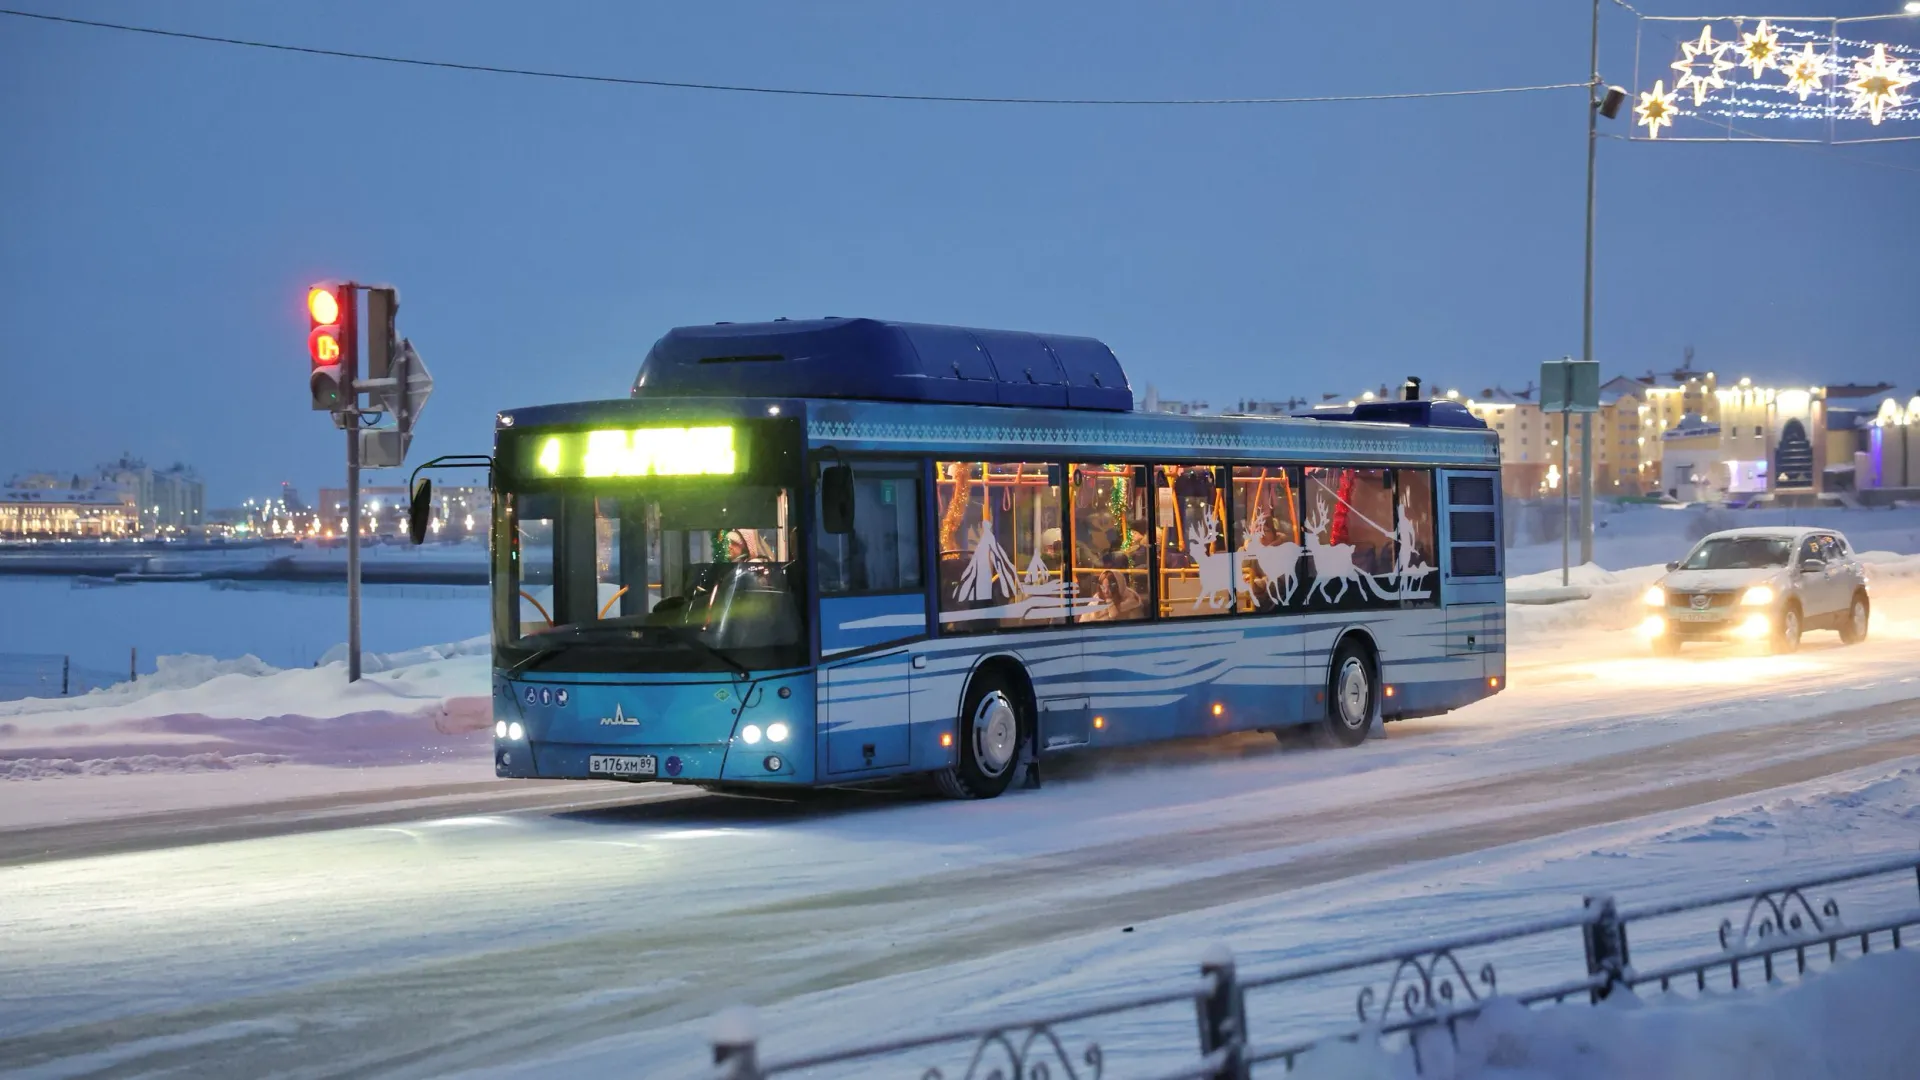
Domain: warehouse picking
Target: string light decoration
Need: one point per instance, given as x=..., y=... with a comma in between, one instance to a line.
x=1877, y=84
x=1773, y=79
x=1689, y=65
x=1760, y=49
x=1804, y=70
x=1656, y=108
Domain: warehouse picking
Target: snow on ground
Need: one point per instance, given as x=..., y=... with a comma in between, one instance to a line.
x=506, y=937
x=1800, y=830
x=196, y=715
x=463, y=942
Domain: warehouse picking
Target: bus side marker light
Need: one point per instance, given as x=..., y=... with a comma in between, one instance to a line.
x=1099, y=722
x=1389, y=691
x=1218, y=708
x=946, y=738
x=1493, y=682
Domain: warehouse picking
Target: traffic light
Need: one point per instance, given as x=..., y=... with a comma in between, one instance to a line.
x=330, y=344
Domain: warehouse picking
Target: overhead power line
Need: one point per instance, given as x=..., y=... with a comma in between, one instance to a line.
x=788, y=91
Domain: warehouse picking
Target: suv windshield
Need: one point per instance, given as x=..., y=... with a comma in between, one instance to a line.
x=680, y=575
x=1740, y=553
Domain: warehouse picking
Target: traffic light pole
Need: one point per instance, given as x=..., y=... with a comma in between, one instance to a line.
x=353, y=546
x=350, y=372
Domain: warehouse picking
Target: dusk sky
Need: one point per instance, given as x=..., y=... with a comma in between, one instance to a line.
x=164, y=203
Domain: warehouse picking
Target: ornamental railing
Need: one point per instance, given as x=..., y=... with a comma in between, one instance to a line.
x=1417, y=997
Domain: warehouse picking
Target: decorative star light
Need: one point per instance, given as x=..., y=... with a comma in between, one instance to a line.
x=1760, y=50
x=1656, y=108
x=1804, y=70
x=1877, y=84
x=1691, y=52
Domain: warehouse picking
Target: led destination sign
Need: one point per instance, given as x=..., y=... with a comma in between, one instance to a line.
x=663, y=451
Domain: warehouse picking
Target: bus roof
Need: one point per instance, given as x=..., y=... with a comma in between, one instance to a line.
x=876, y=360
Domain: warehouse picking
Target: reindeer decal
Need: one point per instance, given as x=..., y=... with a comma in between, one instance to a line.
x=1216, y=568
x=1331, y=562
x=1277, y=562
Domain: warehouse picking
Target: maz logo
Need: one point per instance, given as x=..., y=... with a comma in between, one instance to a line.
x=619, y=719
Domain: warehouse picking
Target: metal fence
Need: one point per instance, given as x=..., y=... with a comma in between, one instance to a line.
x=50, y=675
x=1416, y=997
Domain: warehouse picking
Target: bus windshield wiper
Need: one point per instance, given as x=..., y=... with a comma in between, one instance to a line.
x=560, y=637
x=688, y=637
x=571, y=633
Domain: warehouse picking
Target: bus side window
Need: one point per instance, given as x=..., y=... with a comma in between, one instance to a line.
x=1266, y=535
x=1197, y=567
x=1416, y=559
x=1111, y=543
x=1349, y=537
x=882, y=553
x=1000, y=544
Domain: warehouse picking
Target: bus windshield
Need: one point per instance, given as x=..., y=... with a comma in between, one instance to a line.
x=633, y=576
x=1739, y=553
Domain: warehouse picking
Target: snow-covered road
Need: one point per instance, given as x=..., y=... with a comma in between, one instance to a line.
x=467, y=929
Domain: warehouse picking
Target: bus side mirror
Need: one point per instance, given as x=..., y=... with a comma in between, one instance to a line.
x=418, y=510
x=836, y=499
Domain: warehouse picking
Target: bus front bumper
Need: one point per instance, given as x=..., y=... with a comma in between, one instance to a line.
x=669, y=762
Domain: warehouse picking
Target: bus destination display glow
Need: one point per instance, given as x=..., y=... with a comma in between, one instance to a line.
x=665, y=451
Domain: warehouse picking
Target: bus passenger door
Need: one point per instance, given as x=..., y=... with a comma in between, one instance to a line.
x=864, y=712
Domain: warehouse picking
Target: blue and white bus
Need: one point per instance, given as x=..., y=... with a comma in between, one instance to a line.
x=821, y=552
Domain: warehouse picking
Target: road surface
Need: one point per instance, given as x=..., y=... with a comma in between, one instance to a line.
x=462, y=926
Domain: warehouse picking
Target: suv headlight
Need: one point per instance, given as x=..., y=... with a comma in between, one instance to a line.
x=1758, y=596
x=1655, y=597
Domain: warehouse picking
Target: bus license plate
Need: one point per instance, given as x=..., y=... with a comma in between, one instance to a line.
x=607, y=765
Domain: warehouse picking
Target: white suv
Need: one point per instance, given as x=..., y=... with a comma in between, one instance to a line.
x=1760, y=583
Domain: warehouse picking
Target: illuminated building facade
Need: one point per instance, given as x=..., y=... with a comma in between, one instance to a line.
x=65, y=513
x=458, y=512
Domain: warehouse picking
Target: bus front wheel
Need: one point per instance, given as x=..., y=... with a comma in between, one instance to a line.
x=992, y=727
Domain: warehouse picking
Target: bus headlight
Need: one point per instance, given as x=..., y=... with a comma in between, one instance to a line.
x=750, y=734
x=499, y=729
x=1655, y=597
x=515, y=731
x=777, y=732
x=1758, y=596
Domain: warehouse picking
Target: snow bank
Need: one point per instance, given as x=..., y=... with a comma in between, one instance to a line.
x=198, y=714
x=1853, y=1022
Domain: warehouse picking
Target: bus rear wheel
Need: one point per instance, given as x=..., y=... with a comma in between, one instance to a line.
x=992, y=728
x=1350, y=696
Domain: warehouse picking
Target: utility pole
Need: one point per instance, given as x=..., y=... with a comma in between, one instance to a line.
x=1586, y=320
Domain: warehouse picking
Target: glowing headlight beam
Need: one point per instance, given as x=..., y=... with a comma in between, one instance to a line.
x=1758, y=596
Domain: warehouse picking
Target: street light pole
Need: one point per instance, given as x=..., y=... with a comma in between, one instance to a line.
x=1586, y=328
